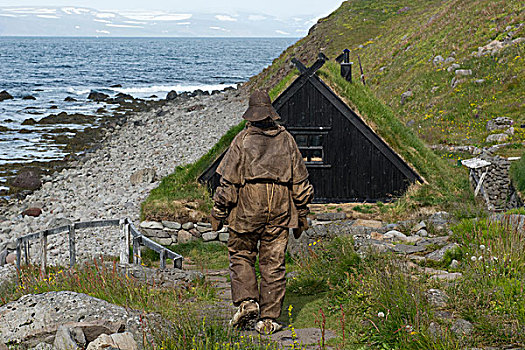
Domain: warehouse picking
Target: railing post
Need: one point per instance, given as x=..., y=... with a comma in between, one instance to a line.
x=124, y=242
x=26, y=251
x=177, y=263
x=72, y=246
x=136, y=251
x=18, y=253
x=43, y=251
x=163, y=259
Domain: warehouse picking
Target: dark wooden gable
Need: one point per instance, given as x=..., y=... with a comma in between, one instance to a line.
x=346, y=160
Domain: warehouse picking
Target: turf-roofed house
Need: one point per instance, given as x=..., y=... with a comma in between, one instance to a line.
x=346, y=159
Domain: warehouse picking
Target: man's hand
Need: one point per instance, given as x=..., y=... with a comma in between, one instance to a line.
x=303, y=226
x=216, y=224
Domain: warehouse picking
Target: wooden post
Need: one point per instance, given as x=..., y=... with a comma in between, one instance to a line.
x=124, y=243
x=18, y=253
x=26, y=251
x=136, y=250
x=163, y=259
x=72, y=246
x=43, y=252
x=177, y=263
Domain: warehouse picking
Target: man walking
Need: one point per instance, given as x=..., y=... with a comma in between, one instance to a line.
x=264, y=191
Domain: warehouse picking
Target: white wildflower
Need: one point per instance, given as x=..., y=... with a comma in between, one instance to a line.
x=482, y=247
x=380, y=314
x=473, y=258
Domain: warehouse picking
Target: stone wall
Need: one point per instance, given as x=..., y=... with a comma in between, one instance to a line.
x=169, y=232
x=497, y=189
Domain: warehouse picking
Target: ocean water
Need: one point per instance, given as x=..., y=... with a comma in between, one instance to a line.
x=51, y=69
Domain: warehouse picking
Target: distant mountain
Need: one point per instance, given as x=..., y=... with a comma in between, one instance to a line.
x=75, y=21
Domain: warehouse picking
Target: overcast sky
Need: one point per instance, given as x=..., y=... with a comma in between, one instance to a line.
x=286, y=8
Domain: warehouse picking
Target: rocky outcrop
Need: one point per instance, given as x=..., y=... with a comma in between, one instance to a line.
x=4, y=95
x=97, y=96
x=28, y=179
x=35, y=319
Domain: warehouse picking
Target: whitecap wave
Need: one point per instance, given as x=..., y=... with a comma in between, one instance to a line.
x=168, y=88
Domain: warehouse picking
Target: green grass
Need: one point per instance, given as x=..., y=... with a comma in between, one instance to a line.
x=517, y=172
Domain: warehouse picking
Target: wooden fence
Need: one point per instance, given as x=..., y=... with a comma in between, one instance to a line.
x=129, y=235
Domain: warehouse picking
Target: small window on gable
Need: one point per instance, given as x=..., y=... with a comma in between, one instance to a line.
x=311, y=147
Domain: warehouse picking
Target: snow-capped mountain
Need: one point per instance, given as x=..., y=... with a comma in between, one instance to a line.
x=74, y=21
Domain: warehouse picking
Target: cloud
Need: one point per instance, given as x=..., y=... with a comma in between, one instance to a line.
x=256, y=18
x=103, y=32
x=123, y=26
x=225, y=18
x=156, y=16
x=8, y=15
x=105, y=15
x=74, y=11
x=220, y=28
x=282, y=32
x=135, y=22
x=101, y=20
x=48, y=16
x=183, y=23
x=31, y=11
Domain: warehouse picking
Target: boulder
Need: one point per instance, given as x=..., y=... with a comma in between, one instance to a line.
x=97, y=96
x=10, y=258
x=440, y=253
x=121, y=341
x=224, y=236
x=187, y=226
x=405, y=96
x=422, y=225
x=408, y=249
x=70, y=99
x=152, y=225
x=393, y=234
x=499, y=123
x=497, y=138
x=69, y=339
x=4, y=95
x=184, y=237
x=33, y=319
x=210, y=236
x=171, y=95
x=437, y=298
x=29, y=121
x=28, y=179
x=463, y=72
x=368, y=223
x=35, y=212
x=3, y=255
x=453, y=67
x=438, y=60
x=462, y=327
x=172, y=225
x=143, y=176
x=29, y=97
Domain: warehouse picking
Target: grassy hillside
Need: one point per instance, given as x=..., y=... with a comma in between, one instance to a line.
x=397, y=42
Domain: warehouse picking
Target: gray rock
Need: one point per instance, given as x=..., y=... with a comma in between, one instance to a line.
x=497, y=138
x=224, y=236
x=439, y=254
x=143, y=176
x=172, y=95
x=422, y=225
x=204, y=224
x=28, y=179
x=447, y=276
x=437, y=298
x=405, y=96
x=203, y=229
x=152, y=225
x=3, y=255
x=188, y=226
x=395, y=234
x=32, y=318
x=438, y=60
x=422, y=233
x=453, y=67
x=184, y=237
x=64, y=340
x=121, y=341
x=479, y=81
x=167, y=241
x=58, y=222
x=156, y=233
x=413, y=239
x=463, y=72
x=462, y=327
x=408, y=249
x=210, y=236
x=4, y=95
x=454, y=264
x=330, y=216
x=172, y=225
x=449, y=60
x=439, y=218
x=40, y=346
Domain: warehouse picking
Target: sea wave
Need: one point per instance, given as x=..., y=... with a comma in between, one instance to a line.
x=168, y=88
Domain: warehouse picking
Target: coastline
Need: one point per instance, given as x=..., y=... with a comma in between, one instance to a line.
x=97, y=185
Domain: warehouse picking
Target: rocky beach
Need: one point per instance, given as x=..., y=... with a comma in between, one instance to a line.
x=110, y=182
